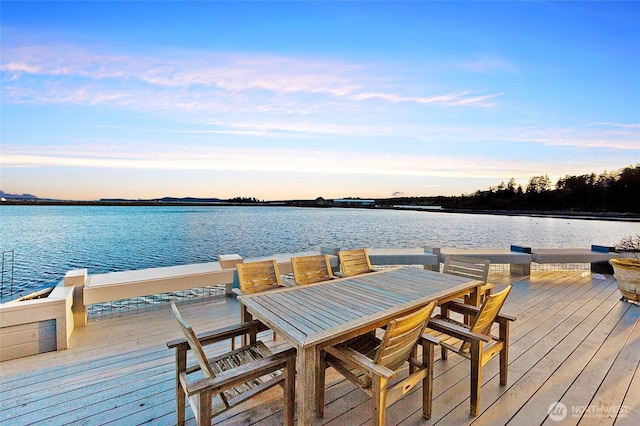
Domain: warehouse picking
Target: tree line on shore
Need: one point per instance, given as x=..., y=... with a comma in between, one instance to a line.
x=616, y=191
x=608, y=192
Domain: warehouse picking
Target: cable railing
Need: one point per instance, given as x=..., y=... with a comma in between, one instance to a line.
x=153, y=301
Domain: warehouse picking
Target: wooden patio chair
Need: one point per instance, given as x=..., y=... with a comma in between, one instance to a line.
x=311, y=269
x=477, y=269
x=370, y=363
x=255, y=277
x=258, y=276
x=354, y=262
x=475, y=341
x=214, y=385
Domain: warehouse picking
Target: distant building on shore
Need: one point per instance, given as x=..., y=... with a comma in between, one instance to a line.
x=353, y=202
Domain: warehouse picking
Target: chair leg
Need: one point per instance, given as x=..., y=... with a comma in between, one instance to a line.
x=181, y=365
x=244, y=317
x=378, y=400
x=180, y=406
x=204, y=407
x=320, y=383
x=427, y=382
x=504, y=352
x=290, y=392
x=476, y=377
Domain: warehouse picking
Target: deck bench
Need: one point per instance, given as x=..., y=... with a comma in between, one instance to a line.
x=597, y=256
x=411, y=256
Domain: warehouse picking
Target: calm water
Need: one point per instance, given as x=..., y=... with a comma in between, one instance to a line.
x=50, y=240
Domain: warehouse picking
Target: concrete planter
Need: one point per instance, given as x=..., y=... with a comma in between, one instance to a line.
x=37, y=323
x=627, y=274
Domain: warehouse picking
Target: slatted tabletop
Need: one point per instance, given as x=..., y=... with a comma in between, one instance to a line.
x=319, y=315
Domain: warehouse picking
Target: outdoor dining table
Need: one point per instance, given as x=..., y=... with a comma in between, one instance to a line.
x=316, y=316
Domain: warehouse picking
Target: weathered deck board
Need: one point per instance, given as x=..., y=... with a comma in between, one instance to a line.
x=582, y=344
x=452, y=386
x=574, y=341
x=533, y=368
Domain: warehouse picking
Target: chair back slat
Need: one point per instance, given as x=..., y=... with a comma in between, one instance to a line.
x=258, y=276
x=194, y=343
x=311, y=269
x=477, y=269
x=489, y=309
x=354, y=262
x=401, y=336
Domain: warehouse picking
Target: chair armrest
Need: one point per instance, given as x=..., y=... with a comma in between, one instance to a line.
x=237, y=291
x=456, y=330
x=242, y=373
x=461, y=308
x=353, y=357
x=225, y=333
x=505, y=317
x=429, y=339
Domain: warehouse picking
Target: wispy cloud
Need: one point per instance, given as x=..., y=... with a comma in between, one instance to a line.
x=615, y=125
x=461, y=98
x=612, y=136
x=156, y=157
x=196, y=81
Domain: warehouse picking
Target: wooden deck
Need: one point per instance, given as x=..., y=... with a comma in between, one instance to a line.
x=574, y=341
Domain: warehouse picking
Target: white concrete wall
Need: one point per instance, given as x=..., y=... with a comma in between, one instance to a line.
x=35, y=326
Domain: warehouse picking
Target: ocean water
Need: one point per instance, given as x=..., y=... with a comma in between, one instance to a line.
x=47, y=241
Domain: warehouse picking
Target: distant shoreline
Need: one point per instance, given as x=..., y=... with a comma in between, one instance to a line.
x=609, y=216
x=620, y=217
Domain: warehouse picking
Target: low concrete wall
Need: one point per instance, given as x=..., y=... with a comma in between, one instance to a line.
x=144, y=282
x=30, y=327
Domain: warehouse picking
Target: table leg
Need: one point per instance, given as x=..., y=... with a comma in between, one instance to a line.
x=307, y=358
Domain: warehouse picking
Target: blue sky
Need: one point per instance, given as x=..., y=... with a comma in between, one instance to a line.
x=282, y=100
